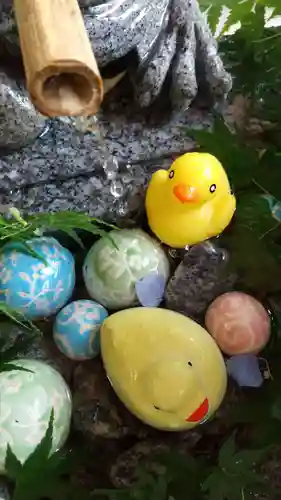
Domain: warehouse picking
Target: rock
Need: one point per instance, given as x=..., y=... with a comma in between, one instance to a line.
x=144, y=455
x=4, y=493
x=97, y=410
x=56, y=359
x=198, y=280
x=40, y=348
x=123, y=472
x=20, y=123
x=271, y=471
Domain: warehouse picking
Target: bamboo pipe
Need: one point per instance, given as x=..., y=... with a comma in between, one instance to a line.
x=62, y=74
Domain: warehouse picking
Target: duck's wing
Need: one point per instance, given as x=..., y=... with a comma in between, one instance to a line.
x=223, y=211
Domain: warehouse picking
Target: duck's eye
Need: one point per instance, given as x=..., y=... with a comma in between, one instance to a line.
x=171, y=174
x=189, y=363
x=213, y=187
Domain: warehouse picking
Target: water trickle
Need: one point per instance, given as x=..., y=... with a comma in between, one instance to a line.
x=108, y=161
x=119, y=184
x=117, y=189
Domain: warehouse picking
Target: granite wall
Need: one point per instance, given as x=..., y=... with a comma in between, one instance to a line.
x=63, y=168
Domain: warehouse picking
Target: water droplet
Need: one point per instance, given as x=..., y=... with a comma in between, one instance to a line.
x=122, y=209
x=173, y=253
x=110, y=167
x=45, y=130
x=117, y=189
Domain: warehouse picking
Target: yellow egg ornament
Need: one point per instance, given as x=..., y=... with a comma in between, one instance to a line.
x=191, y=202
x=165, y=368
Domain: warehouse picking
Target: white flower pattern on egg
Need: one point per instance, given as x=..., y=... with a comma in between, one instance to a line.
x=35, y=287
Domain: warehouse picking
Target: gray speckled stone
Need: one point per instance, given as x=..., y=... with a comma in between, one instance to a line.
x=158, y=39
x=201, y=276
x=115, y=28
x=20, y=123
x=64, y=168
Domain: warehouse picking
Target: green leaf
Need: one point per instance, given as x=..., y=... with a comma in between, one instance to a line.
x=276, y=409
x=219, y=487
x=250, y=241
x=257, y=267
x=43, y=475
x=235, y=472
x=8, y=352
x=19, y=230
x=68, y=222
x=42, y=452
x=226, y=453
x=10, y=367
x=238, y=11
x=254, y=214
x=12, y=465
x=239, y=161
x=29, y=483
x=17, y=317
x=72, y=234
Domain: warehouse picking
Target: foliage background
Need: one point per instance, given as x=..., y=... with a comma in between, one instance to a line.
x=250, y=150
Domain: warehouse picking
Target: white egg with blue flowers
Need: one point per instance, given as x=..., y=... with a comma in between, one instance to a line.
x=77, y=329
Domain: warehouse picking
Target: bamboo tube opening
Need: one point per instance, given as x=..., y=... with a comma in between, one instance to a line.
x=70, y=93
x=62, y=74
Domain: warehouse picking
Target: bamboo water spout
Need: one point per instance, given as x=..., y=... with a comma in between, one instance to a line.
x=61, y=71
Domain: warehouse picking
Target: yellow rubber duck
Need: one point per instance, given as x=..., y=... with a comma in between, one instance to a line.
x=190, y=202
x=165, y=368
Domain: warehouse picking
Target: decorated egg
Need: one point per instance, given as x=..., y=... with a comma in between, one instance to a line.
x=167, y=369
x=26, y=403
x=116, y=264
x=36, y=284
x=239, y=323
x=77, y=329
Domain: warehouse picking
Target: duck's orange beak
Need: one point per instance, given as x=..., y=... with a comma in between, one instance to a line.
x=185, y=193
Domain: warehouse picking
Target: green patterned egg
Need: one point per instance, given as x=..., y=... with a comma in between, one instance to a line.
x=26, y=402
x=112, y=271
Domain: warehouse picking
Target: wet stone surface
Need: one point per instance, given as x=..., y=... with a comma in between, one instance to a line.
x=49, y=175
x=199, y=278
x=97, y=410
x=4, y=493
x=20, y=123
x=41, y=347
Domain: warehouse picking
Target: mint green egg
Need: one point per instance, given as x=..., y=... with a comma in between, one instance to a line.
x=111, y=270
x=26, y=402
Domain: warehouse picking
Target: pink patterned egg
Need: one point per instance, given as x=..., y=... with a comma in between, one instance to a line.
x=239, y=323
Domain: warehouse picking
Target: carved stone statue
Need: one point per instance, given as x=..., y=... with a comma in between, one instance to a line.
x=164, y=46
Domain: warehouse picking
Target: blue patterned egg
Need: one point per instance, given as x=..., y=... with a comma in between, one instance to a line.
x=38, y=287
x=77, y=329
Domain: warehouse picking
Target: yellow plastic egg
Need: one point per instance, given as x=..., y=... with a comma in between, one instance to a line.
x=165, y=368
